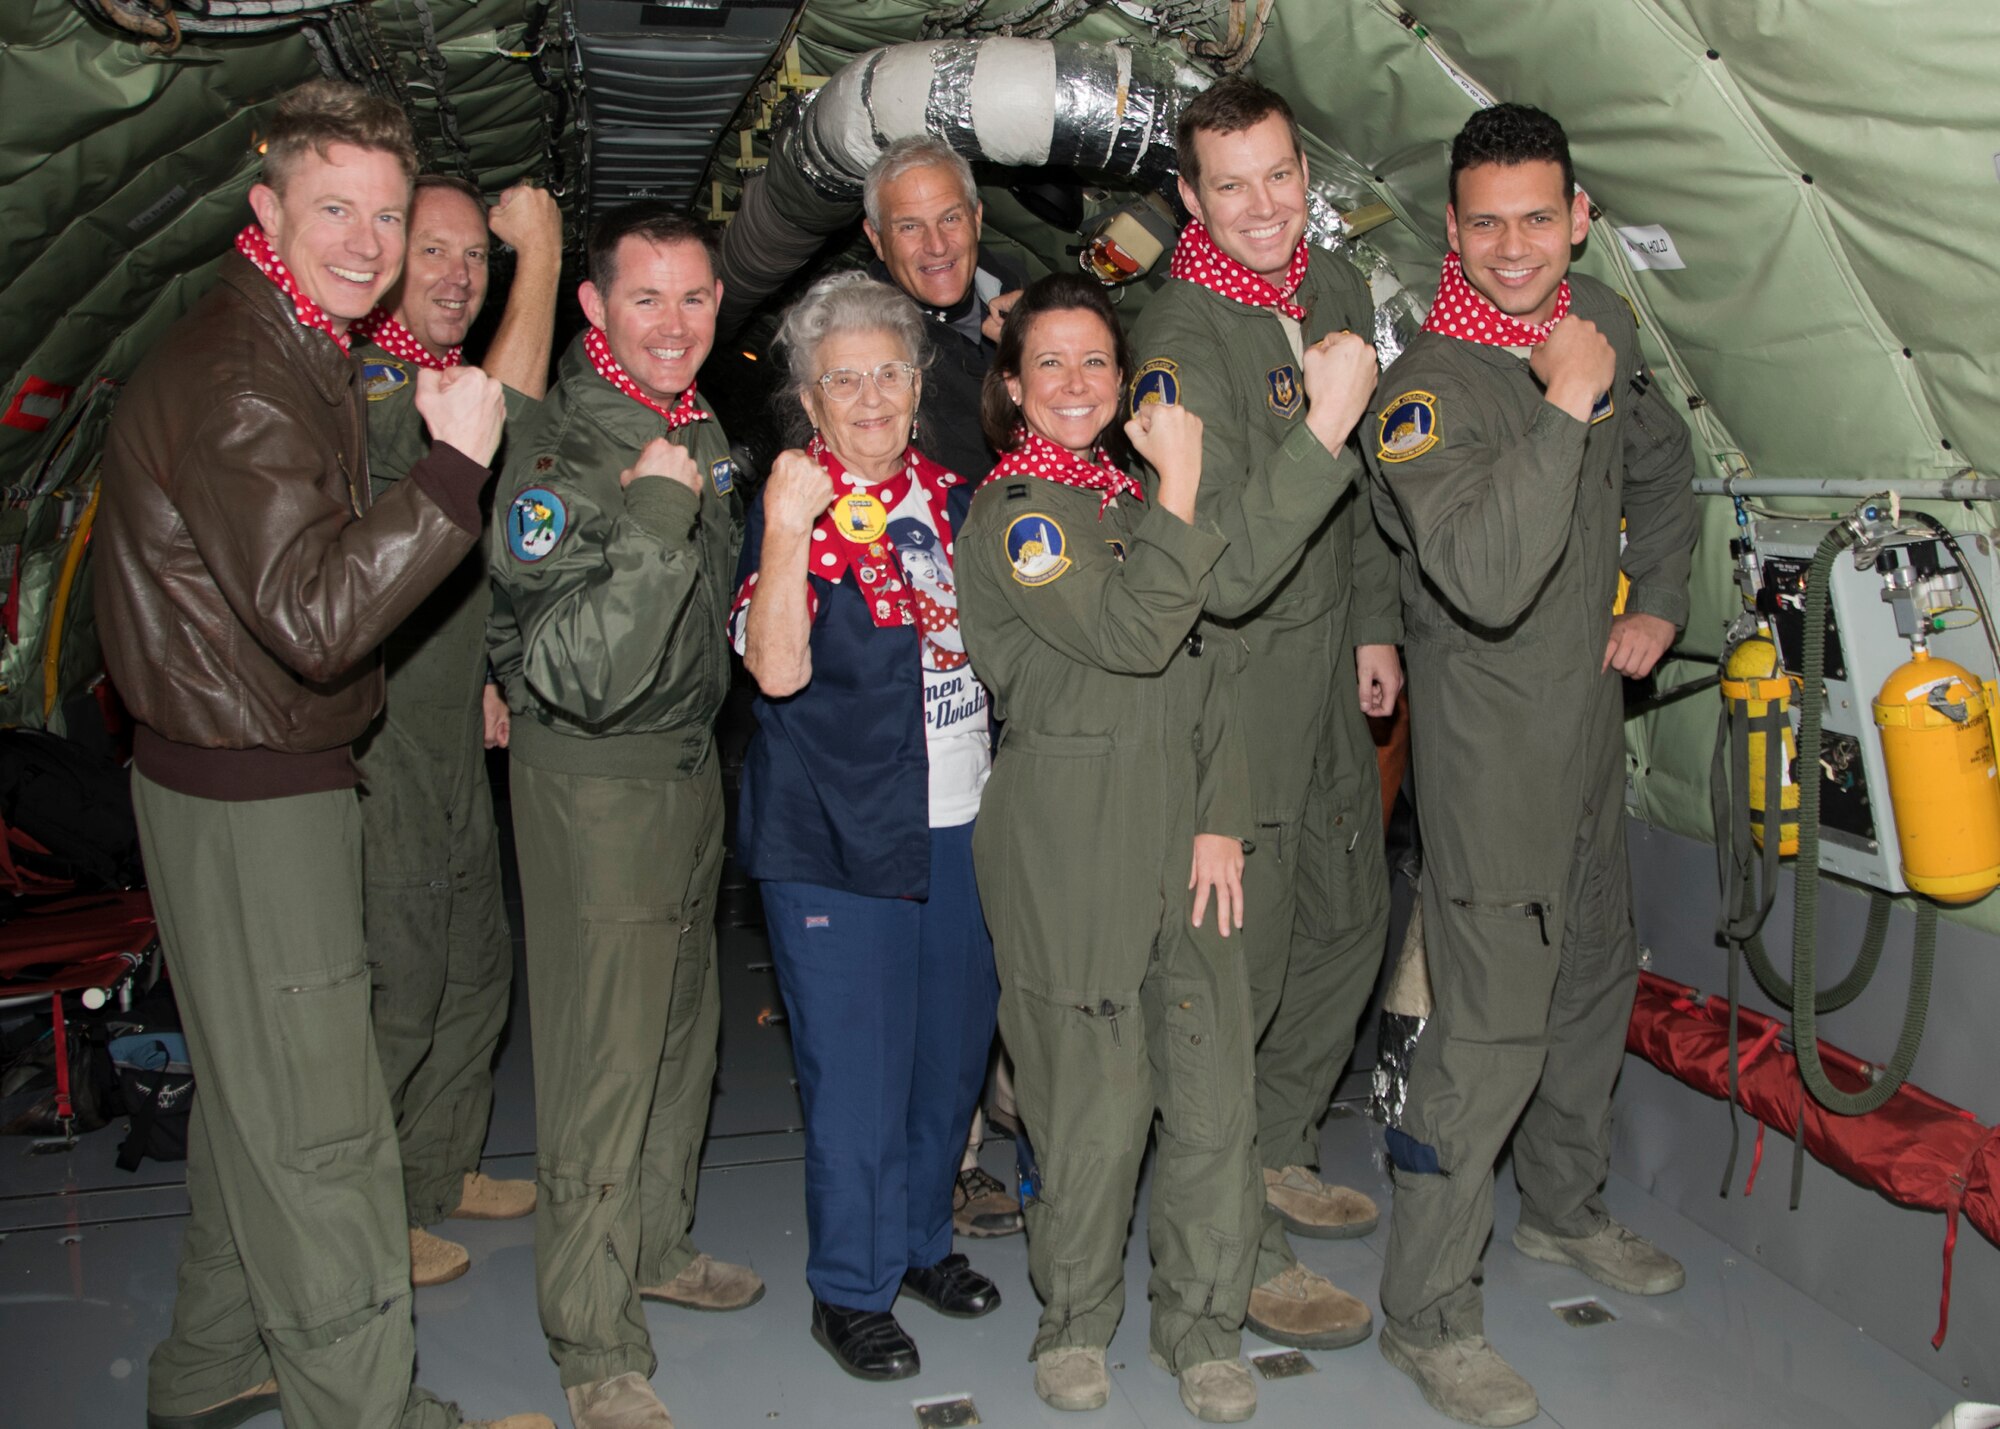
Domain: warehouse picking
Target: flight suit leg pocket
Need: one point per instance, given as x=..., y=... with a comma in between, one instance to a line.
x=320, y=1020
x=624, y=980
x=1493, y=961
x=1493, y=956
x=1091, y=1044
x=1190, y=1101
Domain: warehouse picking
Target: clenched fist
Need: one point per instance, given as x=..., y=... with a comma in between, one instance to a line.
x=1168, y=436
x=797, y=493
x=463, y=408
x=1339, y=376
x=1576, y=365
x=527, y=219
x=660, y=457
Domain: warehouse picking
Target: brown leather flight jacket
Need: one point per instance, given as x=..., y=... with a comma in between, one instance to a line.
x=243, y=578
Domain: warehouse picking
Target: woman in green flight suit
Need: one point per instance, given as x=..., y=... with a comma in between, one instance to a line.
x=1103, y=838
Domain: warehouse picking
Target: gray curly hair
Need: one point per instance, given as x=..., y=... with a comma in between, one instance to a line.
x=844, y=303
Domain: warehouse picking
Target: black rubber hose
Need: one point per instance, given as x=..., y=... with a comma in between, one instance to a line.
x=1805, y=916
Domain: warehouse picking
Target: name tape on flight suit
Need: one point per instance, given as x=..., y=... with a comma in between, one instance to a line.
x=1409, y=427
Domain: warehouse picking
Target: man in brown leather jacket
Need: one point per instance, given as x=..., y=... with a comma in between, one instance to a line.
x=244, y=580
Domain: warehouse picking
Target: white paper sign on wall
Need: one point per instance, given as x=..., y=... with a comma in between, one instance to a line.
x=1650, y=246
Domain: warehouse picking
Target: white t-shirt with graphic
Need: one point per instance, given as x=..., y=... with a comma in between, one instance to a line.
x=955, y=723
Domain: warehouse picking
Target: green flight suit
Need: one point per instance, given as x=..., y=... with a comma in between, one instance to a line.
x=439, y=949
x=1117, y=748
x=608, y=637
x=1316, y=894
x=1507, y=512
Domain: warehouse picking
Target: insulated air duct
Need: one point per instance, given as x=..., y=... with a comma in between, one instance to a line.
x=1102, y=108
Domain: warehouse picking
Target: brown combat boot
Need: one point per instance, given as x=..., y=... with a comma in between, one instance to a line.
x=1310, y=1207
x=485, y=1199
x=435, y=1260
x=709, y=1284
x=1306, y=1311
x=982, y=1207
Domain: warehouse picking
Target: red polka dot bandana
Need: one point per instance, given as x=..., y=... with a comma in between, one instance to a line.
x=1197, y=260
x=386, y=331
x=253, y=243
x=853, y=538
x=1461, y=311
x=1035, y=455
x=597, y=347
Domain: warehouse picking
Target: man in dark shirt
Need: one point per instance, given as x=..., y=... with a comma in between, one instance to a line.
x=923, y=216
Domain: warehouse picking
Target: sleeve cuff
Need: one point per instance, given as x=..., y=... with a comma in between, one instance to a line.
x=662, y=507
x=1662, y=601
x=454, y=481
x=1198, y=547
x=1379, y=630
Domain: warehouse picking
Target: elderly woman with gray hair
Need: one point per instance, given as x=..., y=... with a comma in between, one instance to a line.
x=859, y=793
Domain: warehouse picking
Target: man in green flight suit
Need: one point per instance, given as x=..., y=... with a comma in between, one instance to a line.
x=614, y=563
x=1513, y=435
x=1227, y=336
x=439, y=950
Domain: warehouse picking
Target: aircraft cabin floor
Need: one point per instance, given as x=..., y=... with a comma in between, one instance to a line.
x=88, y=1256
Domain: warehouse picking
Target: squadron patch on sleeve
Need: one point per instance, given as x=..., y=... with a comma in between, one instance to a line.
x=1601, y=408
x=1409, y=427
x=1285, y=396
x=381, y=380
x=723, y=474
x=535, y=522
x=1157, y=381
x=1035, y=547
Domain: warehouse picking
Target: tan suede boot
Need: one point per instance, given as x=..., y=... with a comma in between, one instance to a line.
x=485, y=1199
x=1306, y=1311
x=709, y=1284
x=1072, y=1378
x=1465, y=1379
x=1215, y=1391
x=1616, y=1256
x=624, y=1401
x=512, y=1421
x=1310, y=1207
x=435, y=1260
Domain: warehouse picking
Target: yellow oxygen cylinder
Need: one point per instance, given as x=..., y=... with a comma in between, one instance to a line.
x=1756, y=683
x=1937, y=742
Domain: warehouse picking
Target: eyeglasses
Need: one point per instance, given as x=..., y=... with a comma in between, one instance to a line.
x=891, y=379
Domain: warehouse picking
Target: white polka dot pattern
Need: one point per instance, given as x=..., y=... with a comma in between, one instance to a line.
x=1461, y=311
x=1035, y=455
x=1197, y=260
x=597, y=347
x=253, y=243
x=386, y=331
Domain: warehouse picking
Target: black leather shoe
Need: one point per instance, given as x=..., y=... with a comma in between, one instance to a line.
x=952, y=1287
x=868, y=1344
